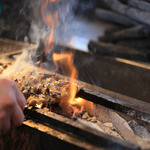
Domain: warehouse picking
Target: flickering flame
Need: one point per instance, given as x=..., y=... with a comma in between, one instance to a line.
x=39, y=106
x=79, y=100
x=50, y=18
x=66, y=61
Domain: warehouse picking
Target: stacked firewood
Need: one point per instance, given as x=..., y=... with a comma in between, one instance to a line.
x=131, y=39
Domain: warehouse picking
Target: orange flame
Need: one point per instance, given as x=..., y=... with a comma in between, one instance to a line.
x=66, y=62
x=50, y=19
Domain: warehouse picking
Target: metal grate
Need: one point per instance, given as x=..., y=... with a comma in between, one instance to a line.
x=9, y=47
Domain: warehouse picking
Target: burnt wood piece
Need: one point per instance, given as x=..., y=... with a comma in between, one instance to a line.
x=114, y=17
x=132, y=13
x=73, y=127
x=137, y=32
x=109, y=49
x=140, y=4
x=129, y=106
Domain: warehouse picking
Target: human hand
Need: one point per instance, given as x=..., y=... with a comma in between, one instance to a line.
x=12, y=103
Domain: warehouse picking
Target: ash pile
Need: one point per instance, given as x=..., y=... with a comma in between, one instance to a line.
x=130, y=38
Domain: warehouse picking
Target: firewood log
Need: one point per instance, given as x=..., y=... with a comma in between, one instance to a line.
x=114, y=17
x=109, y=49
x=140, y=31
x=132, y=13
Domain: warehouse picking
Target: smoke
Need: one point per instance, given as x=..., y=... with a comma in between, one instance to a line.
x=40, y=30
x=23, y=62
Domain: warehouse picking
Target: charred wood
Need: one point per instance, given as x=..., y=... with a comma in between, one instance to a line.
x=109, y=49
x=113, y=30
x=141, y=44
x=136, y=32
x=121, y=104
x=114, y=17
x=132, y=13
x=140, y=4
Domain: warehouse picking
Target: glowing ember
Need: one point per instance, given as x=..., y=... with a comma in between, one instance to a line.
x=39, y=106
x=79, y=100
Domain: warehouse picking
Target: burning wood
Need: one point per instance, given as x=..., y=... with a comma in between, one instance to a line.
x=46, y=90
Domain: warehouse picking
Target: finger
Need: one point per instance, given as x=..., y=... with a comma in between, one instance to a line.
x=6, y=126
x=20, y=97
x=17, y=116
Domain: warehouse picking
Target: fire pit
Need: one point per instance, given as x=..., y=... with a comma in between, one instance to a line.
x=95, y=119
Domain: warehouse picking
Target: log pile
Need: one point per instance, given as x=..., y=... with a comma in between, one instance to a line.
x=133, y=17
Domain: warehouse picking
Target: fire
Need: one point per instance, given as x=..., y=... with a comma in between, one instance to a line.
x=39, y=106
x=79, y=100
x=66, y=62
x=50, y=18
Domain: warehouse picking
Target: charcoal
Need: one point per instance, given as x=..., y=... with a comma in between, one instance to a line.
x=113, y=50
x=114, y=17
x=132, y=13
x=140, y=4
x=140, y=44
x=137, y=32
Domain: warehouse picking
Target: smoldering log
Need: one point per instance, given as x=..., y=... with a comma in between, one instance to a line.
x=140, y=31
x=132, y=13
x=109, y=49
x=114, y=17
x=140, y=4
